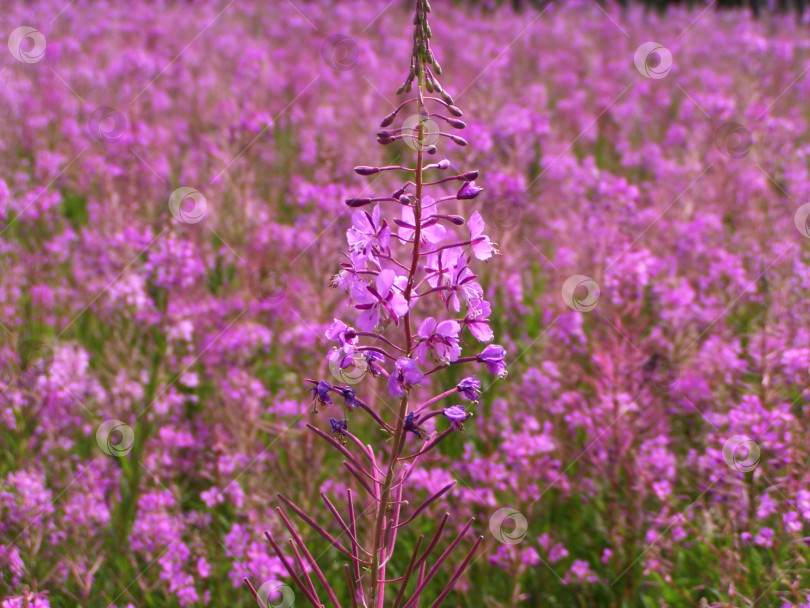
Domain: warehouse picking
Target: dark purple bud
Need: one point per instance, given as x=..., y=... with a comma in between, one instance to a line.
x=384, y=140
x=455, y=111
x=386, y=122
x=455, y=123
x=366, y=170
x=447, y=98
x=399, y=192
x=405, y=199
x=383, y=133
x=459, y=140
x=470, y=175
x=431, y=149
x=456, y=219
x=358, y=202
x=412, y=426
x=468, y=191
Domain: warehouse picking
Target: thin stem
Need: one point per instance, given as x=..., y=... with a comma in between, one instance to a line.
x=377, y=590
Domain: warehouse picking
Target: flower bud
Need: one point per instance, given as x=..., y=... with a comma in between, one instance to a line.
x=459, y=140
x=386, y=122
x=455, y=111
x=358, y=202
x=455, y=219
x=468, y=191
x=470, y=175
x=366, y=170
x=455, y=123
x=431, y=149
x=405, y=199
x=447, y=98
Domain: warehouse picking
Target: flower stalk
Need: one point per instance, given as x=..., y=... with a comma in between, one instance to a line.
x=396, y=272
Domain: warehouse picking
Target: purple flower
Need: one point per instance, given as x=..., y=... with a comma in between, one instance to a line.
x=374, y=361
x=339, y=426
x=368, y=236
x=320, y=394
x=449, y=270
x=342, y=333
x=457, y=415
x=492, y=356
x=468, y=191
x=439, y=340
x=483, y=248
x=406, y=374
x=380, y=303
x=477, y=320
x=431, y=233
x=470, y=387
x=411, y=425
x=349, y=396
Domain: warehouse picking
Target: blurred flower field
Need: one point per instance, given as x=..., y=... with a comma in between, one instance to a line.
x=172, y=211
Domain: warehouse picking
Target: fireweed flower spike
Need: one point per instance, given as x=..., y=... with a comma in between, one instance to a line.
x=406, y=259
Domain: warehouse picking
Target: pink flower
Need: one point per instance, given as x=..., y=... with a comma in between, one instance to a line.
x=381, y=303
x=438, y=340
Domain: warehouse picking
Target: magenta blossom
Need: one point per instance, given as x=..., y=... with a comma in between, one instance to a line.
x=470, y=388
x=483, y=248
x=341, y=332
x=477, y=320
x=492, y=356
x=431, y=232
x=381, y=303
x=457, y=415
x=368, y=236
x=439, y=340
x=406, y=374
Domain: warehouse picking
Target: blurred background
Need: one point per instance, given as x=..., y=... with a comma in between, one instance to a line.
x=172, y=186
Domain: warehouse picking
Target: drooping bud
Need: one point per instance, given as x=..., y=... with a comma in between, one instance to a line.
x=468, y=191
x=362, y=170
x=447, y=98
x=358, y=202
x=455, y=123
x=459, y=140
x=455, y=111
x=405, y=199
x=386, y=122
x=431, y=149
x=470, y=175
